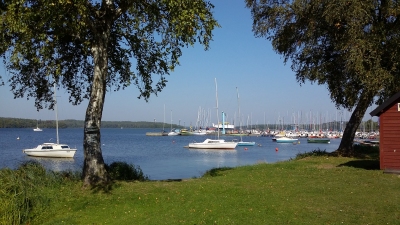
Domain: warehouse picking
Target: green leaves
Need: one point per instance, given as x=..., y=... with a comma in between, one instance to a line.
x=350, y=46
x=52, y=41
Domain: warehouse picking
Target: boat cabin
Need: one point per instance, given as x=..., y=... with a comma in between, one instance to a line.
x=389, y=130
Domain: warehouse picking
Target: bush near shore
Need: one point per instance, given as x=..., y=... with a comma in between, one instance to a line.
x=313, y=188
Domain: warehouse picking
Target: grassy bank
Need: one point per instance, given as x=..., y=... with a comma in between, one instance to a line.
x=319, y=189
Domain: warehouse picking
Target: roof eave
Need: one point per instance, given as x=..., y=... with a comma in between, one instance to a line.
x=380, y=109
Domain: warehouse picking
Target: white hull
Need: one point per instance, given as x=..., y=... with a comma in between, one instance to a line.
x=286, y=140
x=37, y=129
x=172, y=133
x=51, y=150
x=226, y=126
x=213, y=144
x=198, y=132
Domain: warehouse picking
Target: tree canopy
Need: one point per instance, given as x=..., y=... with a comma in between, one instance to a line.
x=88, y=47
x=352, y=47
x=55, y=39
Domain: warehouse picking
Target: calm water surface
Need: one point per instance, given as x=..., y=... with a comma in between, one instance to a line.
x=160, y=157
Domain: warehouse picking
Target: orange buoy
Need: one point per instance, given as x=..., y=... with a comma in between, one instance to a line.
x=276, y=149
x=245, y=149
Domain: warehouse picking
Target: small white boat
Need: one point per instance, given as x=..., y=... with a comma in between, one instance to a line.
x=213, y=144
x=51, y=150
x=286, y=140
x=37, y=129
x=198, y=132
x=173, y=133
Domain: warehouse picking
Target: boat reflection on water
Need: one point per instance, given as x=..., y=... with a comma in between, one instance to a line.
x=56, y=164
x=215, y=158
x=213, y=151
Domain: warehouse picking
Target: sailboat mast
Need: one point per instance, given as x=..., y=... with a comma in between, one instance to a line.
x=55, y=100
x=164, y=119
x=216, y=96
x=240, y=119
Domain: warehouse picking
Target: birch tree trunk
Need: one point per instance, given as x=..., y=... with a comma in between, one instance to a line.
x=94, y=172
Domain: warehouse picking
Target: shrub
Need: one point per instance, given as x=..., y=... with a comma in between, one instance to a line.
x=125, y=171
x=25, y=193
x=316, y=152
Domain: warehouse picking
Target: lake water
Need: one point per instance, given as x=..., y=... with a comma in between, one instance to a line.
x=160, y=157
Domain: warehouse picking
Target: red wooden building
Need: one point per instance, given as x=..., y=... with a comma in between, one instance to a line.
x=389, y=132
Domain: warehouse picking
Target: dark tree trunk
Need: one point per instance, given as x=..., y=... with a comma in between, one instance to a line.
x=346, y=145
x=94, y=172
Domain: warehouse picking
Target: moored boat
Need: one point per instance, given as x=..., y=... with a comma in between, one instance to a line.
x=174, y=132
x=55, y=150
x=241, y=142
x=198, y=132
x=213, y=144
x=244, y=143
x=37, y=127
x=286, y=140
x=51, y=150
x=318, y=140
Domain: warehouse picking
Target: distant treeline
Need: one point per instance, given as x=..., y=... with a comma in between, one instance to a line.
x=29, y=123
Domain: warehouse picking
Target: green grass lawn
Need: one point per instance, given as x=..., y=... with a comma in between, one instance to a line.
x=313, y=190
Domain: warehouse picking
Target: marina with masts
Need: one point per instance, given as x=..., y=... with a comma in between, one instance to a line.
x=308, y=126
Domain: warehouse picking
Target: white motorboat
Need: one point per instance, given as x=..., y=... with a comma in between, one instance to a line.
x=55, y=150
x=286, y=140
x=51, y=150
x=213, y=144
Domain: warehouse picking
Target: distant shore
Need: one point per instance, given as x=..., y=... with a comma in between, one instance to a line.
x=30, y=123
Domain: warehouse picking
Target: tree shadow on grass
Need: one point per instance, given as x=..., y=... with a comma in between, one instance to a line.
x=362, y=164
x=169, y=180
x=216, y=171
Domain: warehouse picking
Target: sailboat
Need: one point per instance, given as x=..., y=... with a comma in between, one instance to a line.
x=163, y=132
x=55, y=150
x=37, y=127
x=172, y=132
x=199, y=130
x=214, y=143
x=241, y=142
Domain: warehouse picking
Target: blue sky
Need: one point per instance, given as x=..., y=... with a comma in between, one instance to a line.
x=267, y=87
